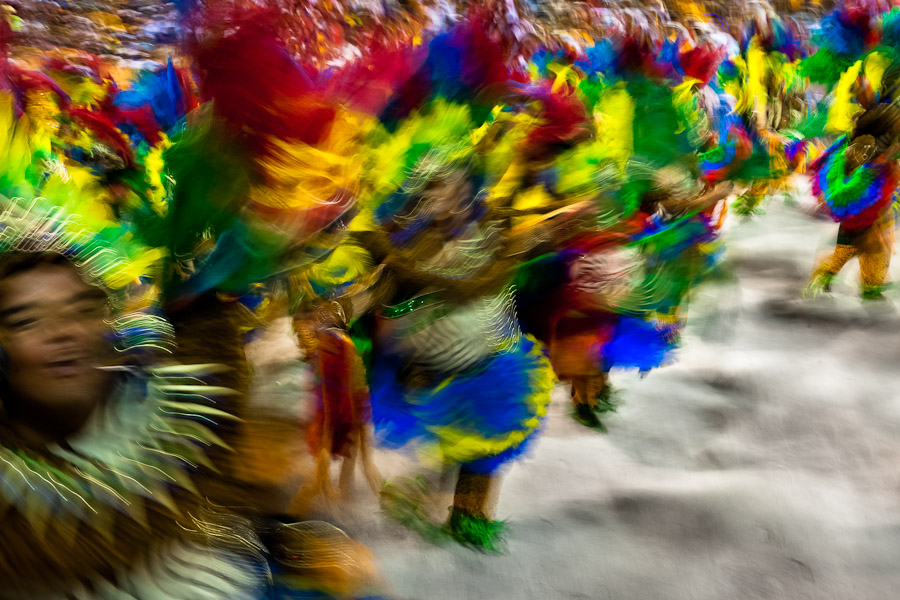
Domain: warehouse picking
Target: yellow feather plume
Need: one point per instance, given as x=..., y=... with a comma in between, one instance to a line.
x=842, y=110
x=614, y=117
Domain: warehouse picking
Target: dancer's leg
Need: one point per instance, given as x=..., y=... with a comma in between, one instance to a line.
x=875, y=246
x=472, y=493
x=584, y=400
x=825, y=273
x=371, y=472
x=470, y=518
x=748, y=203
x=348, y=465
x=602, y=393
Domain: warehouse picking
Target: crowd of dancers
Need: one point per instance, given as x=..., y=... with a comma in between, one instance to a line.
x=458, y=207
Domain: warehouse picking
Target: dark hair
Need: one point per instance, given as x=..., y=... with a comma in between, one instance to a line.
x=19, y=261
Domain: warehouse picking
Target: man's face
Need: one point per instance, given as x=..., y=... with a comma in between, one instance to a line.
x=447, y=198
x=53, y=331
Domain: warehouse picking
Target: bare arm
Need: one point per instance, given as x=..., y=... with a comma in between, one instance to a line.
x=699, y=203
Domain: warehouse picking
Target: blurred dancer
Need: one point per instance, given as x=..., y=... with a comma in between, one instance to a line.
x=572, y=299
x=342, y=425
x=95, y=435
x=106, y=448
x=98, y=496
x=450, y=366
x=769, y=89
x=451, y=370
x=855, y=181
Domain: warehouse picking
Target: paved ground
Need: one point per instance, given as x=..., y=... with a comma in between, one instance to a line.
x=765, y=464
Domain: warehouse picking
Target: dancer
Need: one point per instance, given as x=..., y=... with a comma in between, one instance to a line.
x=94, y=455
x=769, y=89
x=101, y=449
x=451, y=371
x=575, y=296
x=99, y=455
x=611, y=299
x=342, y=424
x=855, y=181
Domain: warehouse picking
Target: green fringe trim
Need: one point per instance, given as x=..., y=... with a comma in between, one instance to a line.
x=820, y=284
x=589, y=418
x=748, y=206
x=477, y=532
x=873, y=292
x=405, y=503
x=606, y=402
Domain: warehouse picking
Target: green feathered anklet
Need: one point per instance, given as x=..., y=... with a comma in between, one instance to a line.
x=748, y=206
x=587, y=416
x=820, y=285
x=873, y=292
x=478, y=532
x=406, y=503
x=605, y=401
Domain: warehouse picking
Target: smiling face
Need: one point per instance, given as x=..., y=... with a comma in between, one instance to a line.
x=53, y=331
